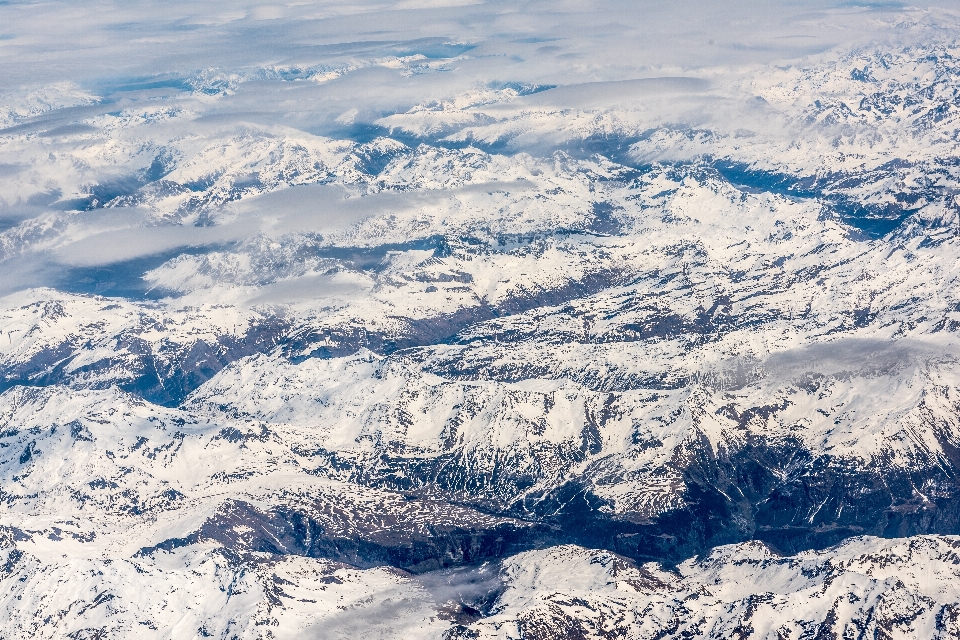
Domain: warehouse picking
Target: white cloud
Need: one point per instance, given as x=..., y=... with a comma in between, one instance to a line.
x=231, y=64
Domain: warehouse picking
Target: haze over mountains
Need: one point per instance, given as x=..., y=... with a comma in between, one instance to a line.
x=479, y=320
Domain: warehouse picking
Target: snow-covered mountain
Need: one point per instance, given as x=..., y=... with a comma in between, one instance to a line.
x=634, y=352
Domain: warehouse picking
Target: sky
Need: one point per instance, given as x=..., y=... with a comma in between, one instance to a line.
x=102, y=43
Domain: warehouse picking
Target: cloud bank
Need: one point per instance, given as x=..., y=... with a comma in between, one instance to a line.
x=103, y=98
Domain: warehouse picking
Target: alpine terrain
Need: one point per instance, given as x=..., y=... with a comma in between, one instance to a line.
x=588, y=320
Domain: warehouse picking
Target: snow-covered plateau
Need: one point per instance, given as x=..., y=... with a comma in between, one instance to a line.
x=480, y=325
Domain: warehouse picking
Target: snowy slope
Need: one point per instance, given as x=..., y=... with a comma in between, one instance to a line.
x=667, y=352
x=867, y=586
x=864, y=588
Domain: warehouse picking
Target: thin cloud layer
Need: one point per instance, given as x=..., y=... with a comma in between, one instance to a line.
x=109, y=42
x=101, y=101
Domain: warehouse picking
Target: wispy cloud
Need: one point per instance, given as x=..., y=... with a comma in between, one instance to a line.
x=345, y=69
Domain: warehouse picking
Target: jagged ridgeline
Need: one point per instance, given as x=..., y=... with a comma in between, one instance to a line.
x=530, y=361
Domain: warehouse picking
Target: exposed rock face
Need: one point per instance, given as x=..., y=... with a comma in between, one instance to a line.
x=645, y=381
x=867, y=586
x=862, y=588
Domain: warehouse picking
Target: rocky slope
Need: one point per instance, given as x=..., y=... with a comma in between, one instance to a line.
x=525, y=361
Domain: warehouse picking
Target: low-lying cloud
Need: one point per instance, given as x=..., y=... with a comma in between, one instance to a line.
x=338, y=68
